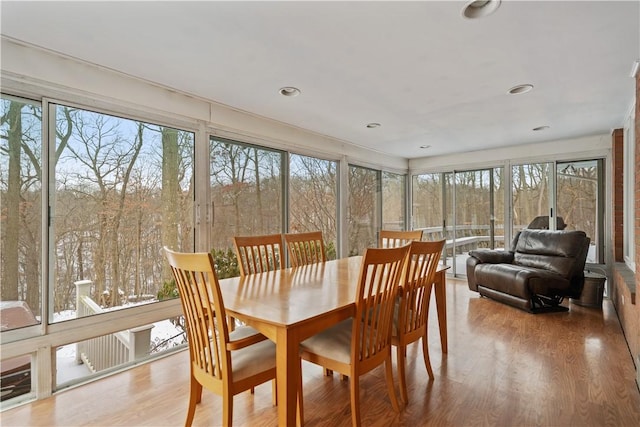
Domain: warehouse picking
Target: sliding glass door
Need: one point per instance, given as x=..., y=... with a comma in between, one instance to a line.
x=561, y=196
x=478, y=208
x=578, y=201
x=465, y=207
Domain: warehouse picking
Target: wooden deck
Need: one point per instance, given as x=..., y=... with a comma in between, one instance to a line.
x=505, y=367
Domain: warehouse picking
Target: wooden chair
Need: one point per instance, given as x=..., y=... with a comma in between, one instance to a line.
x=305, y=248
x=257, y=254
x=355, y=347
x=394, y=238
x=414, y=297
x=224, y=362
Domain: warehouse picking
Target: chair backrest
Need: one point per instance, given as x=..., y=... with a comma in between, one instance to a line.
x=418, y=278
x=380, y=276
x=395, y=238
x=305, y=248
x=204, y=312
x=257, y=254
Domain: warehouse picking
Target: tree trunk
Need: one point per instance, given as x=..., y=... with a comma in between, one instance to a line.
x=12, y=229
x=170, y=188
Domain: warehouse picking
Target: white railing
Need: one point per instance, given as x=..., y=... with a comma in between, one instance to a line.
x=111, y=350
x=468, y=236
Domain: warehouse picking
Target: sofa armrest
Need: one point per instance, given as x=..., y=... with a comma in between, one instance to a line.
x=492, y=256
x=484, y=256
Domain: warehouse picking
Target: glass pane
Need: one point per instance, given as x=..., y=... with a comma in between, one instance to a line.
x=393, y=201
x=362, y=216
x=313, y=198
x=123, y=189
x=530, y=188
x=474, y=200
x=427, y=205
x=246, y=192
x=577, y=200
x=81, y=360
x=497, y=217
x=16, y=377
x=21, y=212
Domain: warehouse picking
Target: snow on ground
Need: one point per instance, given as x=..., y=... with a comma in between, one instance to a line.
x=164, y=335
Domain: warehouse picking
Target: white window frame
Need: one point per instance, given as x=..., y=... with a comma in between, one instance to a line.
x=629, y=179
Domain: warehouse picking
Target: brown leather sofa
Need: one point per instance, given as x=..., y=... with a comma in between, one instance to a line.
x=541, y=269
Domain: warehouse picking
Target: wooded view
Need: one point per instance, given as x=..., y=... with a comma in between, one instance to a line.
x=122, y=189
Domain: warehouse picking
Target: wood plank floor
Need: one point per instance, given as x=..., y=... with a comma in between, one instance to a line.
x=505, y=367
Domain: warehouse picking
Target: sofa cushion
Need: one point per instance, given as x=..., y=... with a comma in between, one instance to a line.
x=554, y=251
x=517, y=280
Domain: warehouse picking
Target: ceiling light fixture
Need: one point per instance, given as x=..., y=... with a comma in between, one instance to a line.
x=545, y=127
x=516, y=90
x=373, y=125
x=480, y=8
x=290, y=91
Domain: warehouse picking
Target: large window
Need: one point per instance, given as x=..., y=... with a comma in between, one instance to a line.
x=466, y=208
x=21, y=212
x=531, y=194
x=577, y=202
x=246, y=193
x=313, y=198
x=363, y=215
x=122, y=190
x=393, y=201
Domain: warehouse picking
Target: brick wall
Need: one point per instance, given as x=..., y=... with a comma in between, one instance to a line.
x=625, y=282
x=617, y=151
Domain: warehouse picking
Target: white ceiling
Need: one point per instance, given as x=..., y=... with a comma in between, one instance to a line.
x=421, y=70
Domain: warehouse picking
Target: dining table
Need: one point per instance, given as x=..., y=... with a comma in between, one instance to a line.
x=293, y=304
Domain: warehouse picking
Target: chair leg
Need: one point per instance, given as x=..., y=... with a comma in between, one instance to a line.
x=231, y=323
x=355, y=401
x=227, y=408
x=427, y=360
x=392, y=391
x=328, y=372
x=195, y=395
x=300, y=399
x=401, y=352
x=274, y=392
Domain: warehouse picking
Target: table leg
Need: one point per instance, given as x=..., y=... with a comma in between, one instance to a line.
x=287, y=366
x=441, y=307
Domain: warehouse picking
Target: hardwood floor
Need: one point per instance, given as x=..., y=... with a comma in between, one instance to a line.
x=505, y=367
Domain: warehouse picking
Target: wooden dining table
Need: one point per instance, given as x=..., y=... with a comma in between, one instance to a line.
x=293, y=304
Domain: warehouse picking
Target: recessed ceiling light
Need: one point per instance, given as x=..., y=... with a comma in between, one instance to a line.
x=520, y=89
x=541, y=128
x=373, y=125
x=480, y=8
x=425, y=146
x=290, y=91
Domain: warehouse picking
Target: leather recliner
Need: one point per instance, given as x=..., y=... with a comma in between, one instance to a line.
x=541, y=269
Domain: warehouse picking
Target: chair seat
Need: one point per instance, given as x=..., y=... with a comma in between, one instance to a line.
x=253, y=359
x=333, y=343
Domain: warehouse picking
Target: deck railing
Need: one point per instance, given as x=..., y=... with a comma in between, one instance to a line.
x=467, y=237
x=111, y=350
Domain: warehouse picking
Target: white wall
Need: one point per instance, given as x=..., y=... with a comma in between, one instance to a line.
x=31, y=70
x=586, y=147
